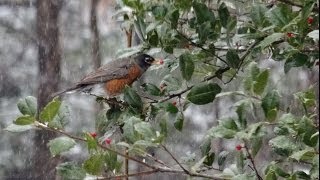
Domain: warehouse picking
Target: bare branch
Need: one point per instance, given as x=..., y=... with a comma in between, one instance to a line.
x=175, y=159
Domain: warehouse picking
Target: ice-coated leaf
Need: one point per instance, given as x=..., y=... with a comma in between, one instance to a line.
x=260, y=82
x=60, y=144
x=28, y=106
x=18, y=128
x=70, y=170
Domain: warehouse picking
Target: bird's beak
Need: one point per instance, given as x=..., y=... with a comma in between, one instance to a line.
x=157, y=61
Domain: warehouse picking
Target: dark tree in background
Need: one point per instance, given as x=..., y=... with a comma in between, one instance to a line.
x=49, y=56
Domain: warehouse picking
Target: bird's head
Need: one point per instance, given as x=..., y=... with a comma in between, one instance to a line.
x=145, y=61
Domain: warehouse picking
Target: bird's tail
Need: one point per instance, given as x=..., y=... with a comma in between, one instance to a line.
x=56, y=94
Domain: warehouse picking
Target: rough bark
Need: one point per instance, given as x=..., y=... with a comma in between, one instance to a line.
x=49, y=58
x=96, y=55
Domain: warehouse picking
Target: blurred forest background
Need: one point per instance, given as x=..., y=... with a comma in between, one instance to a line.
x=78, y=36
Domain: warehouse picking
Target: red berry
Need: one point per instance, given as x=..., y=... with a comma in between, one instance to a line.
x=174, y=103
x=161, y=61
x=310, y=20
x=290, y=34
x=108, y=141
x=238, y=147
x=93, y=134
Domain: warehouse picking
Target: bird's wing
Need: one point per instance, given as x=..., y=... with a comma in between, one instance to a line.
x=113, y=70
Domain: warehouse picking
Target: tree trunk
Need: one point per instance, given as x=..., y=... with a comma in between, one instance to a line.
x=49, y=57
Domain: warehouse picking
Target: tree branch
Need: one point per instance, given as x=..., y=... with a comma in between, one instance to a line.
x=252, y=161
x=155, y=169
x=175, y=159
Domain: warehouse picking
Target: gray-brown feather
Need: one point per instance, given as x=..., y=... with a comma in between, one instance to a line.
x=113, y=70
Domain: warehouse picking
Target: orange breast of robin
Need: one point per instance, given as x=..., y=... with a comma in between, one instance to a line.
x=115, y=86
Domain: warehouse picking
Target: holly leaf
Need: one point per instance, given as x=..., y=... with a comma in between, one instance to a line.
x=203, y=94
x=270, y=105
x=60, y=144
x=186, y=66
x=28, y=106
x=69, y=170
x=233, y=59
x=24, y=120
x=50, y=110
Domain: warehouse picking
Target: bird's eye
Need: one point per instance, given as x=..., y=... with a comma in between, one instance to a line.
x=148, y=60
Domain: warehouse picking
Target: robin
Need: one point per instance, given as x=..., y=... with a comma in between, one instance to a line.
x=115, y=75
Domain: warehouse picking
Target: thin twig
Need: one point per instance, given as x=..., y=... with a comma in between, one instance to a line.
x=175, y=159
x=252, y=161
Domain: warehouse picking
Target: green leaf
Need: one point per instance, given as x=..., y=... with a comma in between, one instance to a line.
x=172, y=83
x=174, y=17
x=171, y=108
x=240, y=161
x=159, y=12
x=151, y=89
x=270, y=105
x=224, y=15
x=18, y=128
x=186, y=66
x=69, y=170
x=50, y=110
x=140, y=27
x=205, y=146
x=94, y=164
x=221, y=132
x=222, y=157
x=60, y=144
x=229, y=123
x=28, y=106
x=304, y=155
x=280, y=16
x=203, y=13
x=271, y=175
x=178, y=124
x=153, y=38
x=295, y=60
x=233, y=59
x=24, y=120
x=203, y=94
x=209, y=159
x=62, y=118
x=271, y=39
x=283, y=145
x=112, y=162
x=183, y=4
x=145, y=130
x=133, y=99
x=256, y=145
x=258, y=14
x=260, y=82
x=129, y=132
